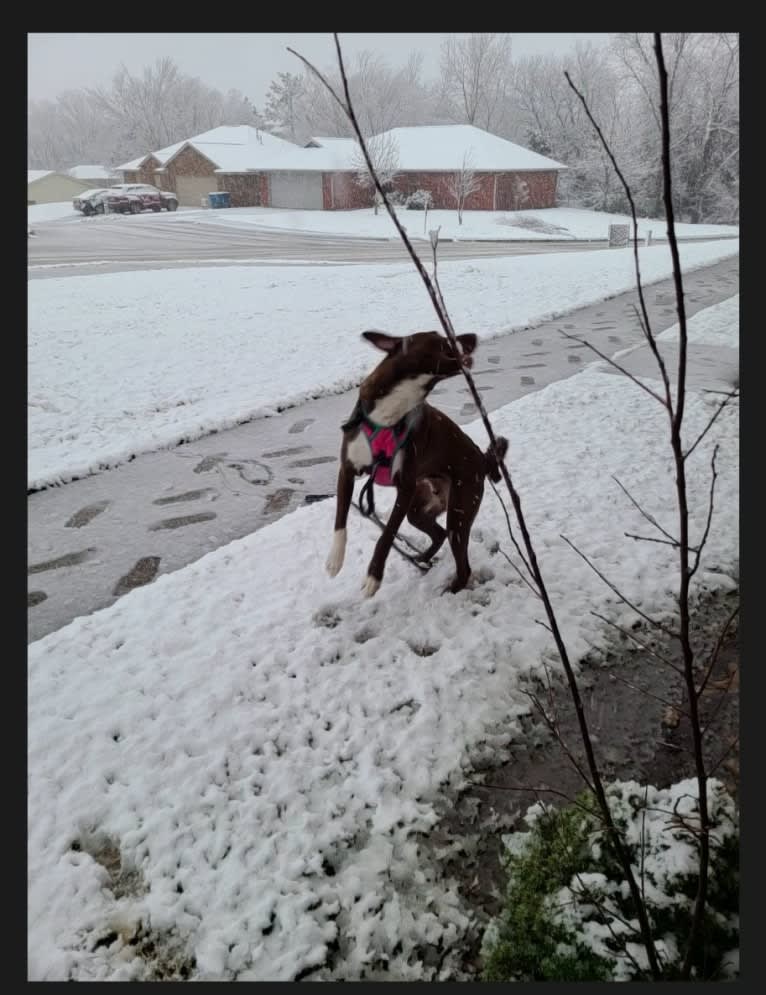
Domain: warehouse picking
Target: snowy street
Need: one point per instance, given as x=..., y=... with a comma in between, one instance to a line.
x=260, y=236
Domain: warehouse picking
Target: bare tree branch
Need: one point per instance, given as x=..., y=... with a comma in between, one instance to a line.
x=664, y=542
x=646, y=327
x=647, y=516
x=683, y=514
x=732, y=395
x=616, y=365
x=653, y=622
x=647, y=649
x=717, y=649
x=706, y=532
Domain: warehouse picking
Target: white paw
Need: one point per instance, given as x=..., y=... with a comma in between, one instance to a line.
x=337, y=553
x=333, y=565
x=370, y=586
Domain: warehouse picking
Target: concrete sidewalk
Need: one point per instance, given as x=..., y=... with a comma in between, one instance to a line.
x=91, y=541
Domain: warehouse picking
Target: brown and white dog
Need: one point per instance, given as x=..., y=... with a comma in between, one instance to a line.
x=432, y=463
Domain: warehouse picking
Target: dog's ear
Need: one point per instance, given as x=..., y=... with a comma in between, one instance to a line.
x=467, y=342
x=388, y=343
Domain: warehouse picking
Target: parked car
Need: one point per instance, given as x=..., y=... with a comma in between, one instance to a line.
x=125, y=198
x=148, y=198
x=101, y=201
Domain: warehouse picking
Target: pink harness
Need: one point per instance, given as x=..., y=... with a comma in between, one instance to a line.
x=385, y=442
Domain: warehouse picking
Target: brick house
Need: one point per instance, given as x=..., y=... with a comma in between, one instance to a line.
x=508, y=177
x=258, y=169
x=224, y=158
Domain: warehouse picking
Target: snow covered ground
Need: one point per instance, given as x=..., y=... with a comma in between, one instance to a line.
x=547, y=223
x=243, y=769
x=51, y=212
x=555, y=223
x=717, y=325
x=122, y=366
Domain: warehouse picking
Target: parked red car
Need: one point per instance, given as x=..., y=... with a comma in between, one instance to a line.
x=125, y=198
x=147, y=198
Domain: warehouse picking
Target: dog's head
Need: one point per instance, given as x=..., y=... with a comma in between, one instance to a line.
x=424, y=354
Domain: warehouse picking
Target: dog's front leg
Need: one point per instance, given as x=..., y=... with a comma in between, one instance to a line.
x=344, y=494
x=404, y=496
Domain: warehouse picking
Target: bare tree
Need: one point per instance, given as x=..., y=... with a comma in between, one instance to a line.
x=463, y=183
x=135, y=114
x=384, y=155
x=163, y=106
x=283, y=104
x=475, y=78
x=385, y=97
x=703, y=99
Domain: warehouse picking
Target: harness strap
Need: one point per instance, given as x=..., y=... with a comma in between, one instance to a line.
x=367, y=493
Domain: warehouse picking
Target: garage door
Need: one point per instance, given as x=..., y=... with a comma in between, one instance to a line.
x=296, y=190
x=191, y=189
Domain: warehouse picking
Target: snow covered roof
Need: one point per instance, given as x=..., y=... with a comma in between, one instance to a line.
x=37, y=174
x=338, y=155
x=442, y=147
x=90, y=173
x=134, y=163
x=337, y=143
x=244, y=149
x=231, y=148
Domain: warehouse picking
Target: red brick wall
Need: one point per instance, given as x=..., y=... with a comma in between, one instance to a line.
x=189, y=162
x=439, y=186
x=519, y=191
x=341, y=192
x=246, y=189
x=515, y=191
x=143, y=175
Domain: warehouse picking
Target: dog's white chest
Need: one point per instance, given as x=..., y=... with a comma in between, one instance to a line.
x=358, y=452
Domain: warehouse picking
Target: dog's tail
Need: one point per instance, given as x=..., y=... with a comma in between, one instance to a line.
x=492, y=458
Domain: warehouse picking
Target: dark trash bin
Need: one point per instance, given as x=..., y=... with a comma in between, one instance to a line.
x=221, y=198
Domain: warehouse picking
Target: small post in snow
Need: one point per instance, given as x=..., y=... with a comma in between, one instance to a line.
x=434, y=236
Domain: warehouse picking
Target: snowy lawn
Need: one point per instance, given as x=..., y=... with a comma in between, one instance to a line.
x=124, y=365
x=237, y=774
x=51, y=212
x=546, y=223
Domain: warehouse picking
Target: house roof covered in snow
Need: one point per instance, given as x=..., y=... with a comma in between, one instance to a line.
x=134, y=163
x=244, y=149
x=90, y=173
x=230, y=148
x=37, y=174
x=439, y=147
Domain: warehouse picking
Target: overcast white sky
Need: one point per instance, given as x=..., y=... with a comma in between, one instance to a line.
x=246, y=62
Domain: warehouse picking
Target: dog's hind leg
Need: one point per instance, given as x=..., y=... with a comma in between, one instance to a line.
x=463, y=506
x=427, y=523
x=344, y=494
x=431, y=497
